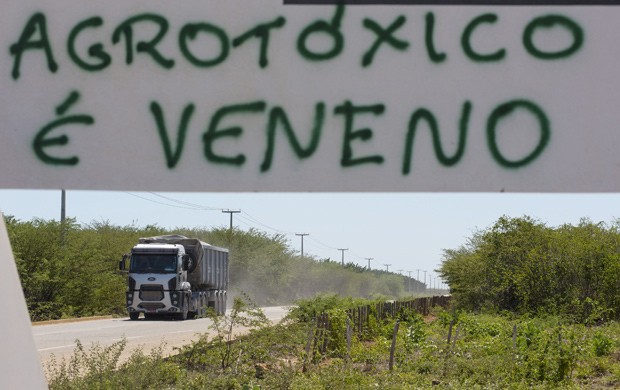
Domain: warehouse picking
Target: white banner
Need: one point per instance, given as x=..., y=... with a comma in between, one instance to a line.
x=248, y=95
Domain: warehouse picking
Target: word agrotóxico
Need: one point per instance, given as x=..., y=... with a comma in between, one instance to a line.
x=34, y=41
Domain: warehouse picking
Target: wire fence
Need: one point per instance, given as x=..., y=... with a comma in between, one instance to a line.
x=359, y=320
x=360, y=316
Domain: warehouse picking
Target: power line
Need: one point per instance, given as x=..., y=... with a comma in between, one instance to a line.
x=161, y=203
x=193, y=206
x=323, y=244
x=257, y=222
x=189, y=204
x=243, y=217
x=357, y=254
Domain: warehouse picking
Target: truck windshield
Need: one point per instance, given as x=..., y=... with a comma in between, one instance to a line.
x=153, y=263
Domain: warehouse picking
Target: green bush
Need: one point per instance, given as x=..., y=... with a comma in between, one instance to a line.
x=485, y=352
x=522, y=266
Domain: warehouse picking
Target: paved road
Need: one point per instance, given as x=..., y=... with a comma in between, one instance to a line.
x=59, y=339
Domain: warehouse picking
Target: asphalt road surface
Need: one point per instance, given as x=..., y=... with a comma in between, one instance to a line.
x=59, y=339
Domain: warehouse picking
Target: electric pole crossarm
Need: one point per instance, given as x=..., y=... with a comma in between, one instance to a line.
x=231, y=212
x=342, y=250
x=302, y=235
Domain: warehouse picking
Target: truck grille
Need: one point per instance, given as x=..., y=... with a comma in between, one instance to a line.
x=152, y=292
x=151, y=306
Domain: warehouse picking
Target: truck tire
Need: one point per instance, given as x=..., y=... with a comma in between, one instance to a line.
x=133, y=316
x=182, y=316
x=217, y=304
x=193, y=263
x=193, y=304
x=204, y=305
x=222, y=303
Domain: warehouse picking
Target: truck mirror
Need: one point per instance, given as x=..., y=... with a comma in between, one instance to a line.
x=121, y=264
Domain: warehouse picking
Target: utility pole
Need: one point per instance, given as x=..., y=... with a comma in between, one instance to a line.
x=63, y=202
x=424, y=279
x=369, y=258
x=231, y=212
x=63, y=214
x=409, y=281
x=302, y=242
x=387, y=267
x=417, y=285
x=342, y=250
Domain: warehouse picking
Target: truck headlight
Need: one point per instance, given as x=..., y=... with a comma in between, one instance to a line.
x=174, y=295
x=175, y=302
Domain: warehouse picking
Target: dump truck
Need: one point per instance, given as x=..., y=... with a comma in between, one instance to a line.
x=175, y=275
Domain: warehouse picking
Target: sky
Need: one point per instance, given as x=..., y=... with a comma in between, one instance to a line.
x=406, y=231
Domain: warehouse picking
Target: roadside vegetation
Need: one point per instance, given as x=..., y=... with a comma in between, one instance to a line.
x=446, y=349
x=71, y=270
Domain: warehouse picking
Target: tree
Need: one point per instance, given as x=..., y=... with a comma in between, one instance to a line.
x=521, y=265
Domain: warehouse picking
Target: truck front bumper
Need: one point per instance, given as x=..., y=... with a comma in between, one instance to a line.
x=171, y=302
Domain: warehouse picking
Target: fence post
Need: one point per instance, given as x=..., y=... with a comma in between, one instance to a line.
x=450, y=332
x=348, y=340
x=393, y=347
x=311, y=336
x=359, y=326
x=325, y=335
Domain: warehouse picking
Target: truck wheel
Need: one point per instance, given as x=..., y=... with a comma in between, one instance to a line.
x=216, y=308
x=222, y=301
x=203, y=306
x=182, y=316
x=133, y=316
x=202, y=302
